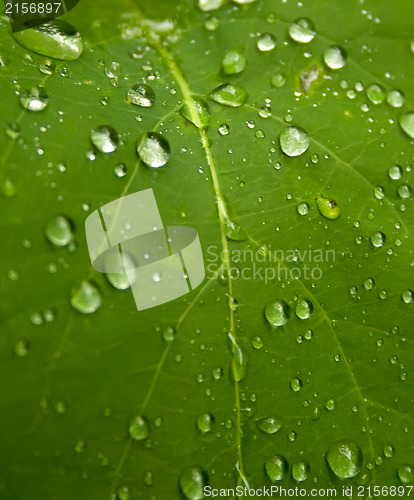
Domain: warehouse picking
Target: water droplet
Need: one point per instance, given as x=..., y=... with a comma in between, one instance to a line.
x=120, y=170
x=60, y=407
x=327, y=207
x=120, y=280
x=57, y=39
x=307, y=77
x=153, y=149
x=138, y=427
x=369, y=284
x=330, y=404
x=4, y=60
x=47, y=67
x=404, y=191
x=379, y=192
x=122, y=493
x=13, y=131
x=34, y=99
x=335, y=57
x=208, y=5
x=304, y=308
x=276, y=468
x=269, y=425
x=279, y=80
x=229, y=94
x=21, y=348
x=302, y=30
x=395, y=172
x=8, y=187
x=244, y=2
x=277, y=313
x=295, y=384
x=345, y=458
x=266, y=42
x=199, y=114
x=113, y=70
x=407, y=296
x=205, y=422
x=378, y=239
x=389, y=451
x=59, y=231
x=86, y=299
x=234, y=61
x=406, y=473
x=233, y=231
x=192, y=482
x=256, y=342
x=141, y=95
x=395, y=98
x=294, y=141
x=224, y=129
x=407, y=123
x=212, y=24
x=300, y=471
x=303, y=208
x=104, y=138
x=239, y=363
x=376, y=94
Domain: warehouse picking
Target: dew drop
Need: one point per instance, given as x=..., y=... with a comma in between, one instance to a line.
x=389, y=451
x=204, y=422
x=269, y=425
x=407, y=296
x=295, y=384
x=21, y=348
x=153, y=149
x=209, y=5
x=404, y=191
x=34, y=99
x=234, y=62
x=406, y=473
x=407, y=123
x=302, y=30
x=395, y=98
x=57, y=39
x=240, y=361
x=278, y=80
x=345, y=458
x=303, y=208
x=104, y=138
x=277, y=313
x=120, y=170
x=304, y=308
x=395, y=172
x=47, y=67
x=229, y=94
x=192, y=482
x=378, y=239
x=122, y=493
x=294, y=141
x=86, y=299
x=335, y=57
x=59, y=231
x=141, y=95
x=376, y=94
x=327, y=207
x=256, y=342
x=276, y=468
x=300, y=471
x=266, y=42
x=138, y=427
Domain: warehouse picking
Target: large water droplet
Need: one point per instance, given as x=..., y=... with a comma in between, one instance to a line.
x=335, y=57
x=229, y=94
x=138, y=427
x=234, y=62
x=266, y=42
x=141, y=95
x=59, y=231
x=378, y=239
x=86, y=299
x=345, y=458
x=294, y=141
x=192, y=482
x=34, y=98
x=395, y=98
x=395, y=172
x=302, y=30
x=208, y=5
x=153, y=149
x=406, y=473
x=376, y=94
x=276, y=468
x=269, y=425
x=407, y=123
x=57, y=39
x=327, y=207
x=304, y=308
x=300, y=471
x=104, y=138
x=277, y=313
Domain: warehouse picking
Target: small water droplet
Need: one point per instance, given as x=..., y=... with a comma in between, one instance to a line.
x=375, y=94
x=335, y=57
x=120, y=170
x=389, y=451
x=229, y=94
x=240, y=361
x=224, y=129
x=404, y=191
x=34, y=99
x=278, y=80
x=304, y=308
x=269, y=425
x=153, y=149
x=395, y=98
x=330, y=404
x=378, y=239
x=209, y=5
x=234, y=62
x=122, y=493
x=266, y=42
x=407, y=123
x=395, y=172
x=59, y=231
x=300, y=471
x=406, y=473
x=138, y=427
x=296, y=384
x=345, y=458
x=303, y=208
x=256, y=342
x=86, y=299
x=47, y=67
x=277, y=313
x=294, y=141
x=141, y=95
x=204, y=422
x=21, y=348
x=407, y=296
x=104, y=138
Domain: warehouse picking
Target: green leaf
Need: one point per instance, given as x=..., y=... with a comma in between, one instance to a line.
x=291, y=365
